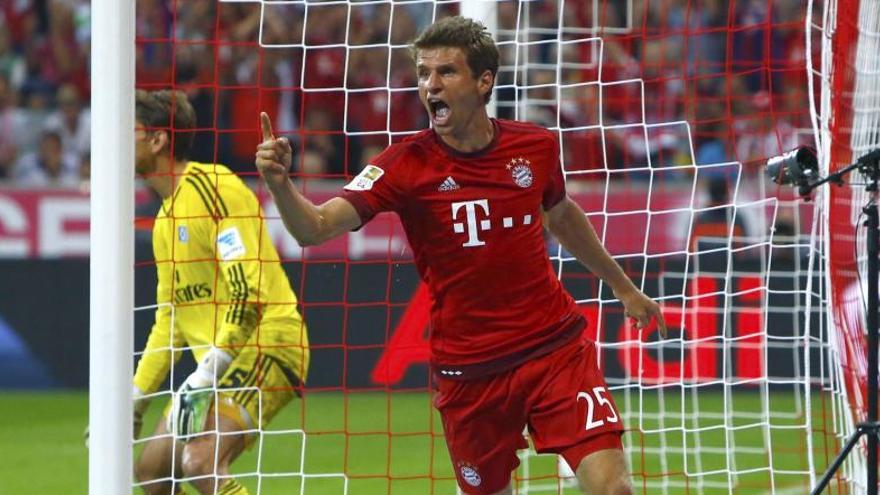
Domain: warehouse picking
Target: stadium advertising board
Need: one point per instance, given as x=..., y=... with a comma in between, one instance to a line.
x=54, y=223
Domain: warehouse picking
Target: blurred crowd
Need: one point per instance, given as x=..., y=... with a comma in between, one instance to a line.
x=44, y=92
x=338, y=79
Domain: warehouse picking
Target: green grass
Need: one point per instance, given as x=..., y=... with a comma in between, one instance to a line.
x=394, y=444
x=41, y=438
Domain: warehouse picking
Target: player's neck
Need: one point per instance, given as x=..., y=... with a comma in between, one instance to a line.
x=168, y=174
x=477, y=135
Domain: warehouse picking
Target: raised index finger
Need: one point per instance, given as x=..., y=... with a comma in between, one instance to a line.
x=266, y=125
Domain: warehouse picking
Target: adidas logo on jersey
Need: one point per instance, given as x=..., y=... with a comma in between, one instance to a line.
x=448, y=185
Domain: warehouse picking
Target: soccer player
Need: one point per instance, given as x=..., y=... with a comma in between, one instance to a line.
x=474, y=194
x=223, y=293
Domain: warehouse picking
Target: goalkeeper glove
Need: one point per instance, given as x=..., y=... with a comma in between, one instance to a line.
x=140, y=405
x=191, y=402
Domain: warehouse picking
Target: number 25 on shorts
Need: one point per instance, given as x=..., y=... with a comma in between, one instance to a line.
x=599, y=394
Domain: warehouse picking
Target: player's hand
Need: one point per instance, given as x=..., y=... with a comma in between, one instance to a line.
x=191, y=402
x=642, y=309
x=189, y=411
x=138, y=424
x=273, y=155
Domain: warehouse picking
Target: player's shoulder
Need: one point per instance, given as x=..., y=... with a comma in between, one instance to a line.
x=516, y=129
x=422, y=137
x=214, y=171
x=213, y=188
x=396, y=163
x=416, y=144
x=413, y=147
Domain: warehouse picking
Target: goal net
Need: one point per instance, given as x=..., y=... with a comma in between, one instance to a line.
x=666, y=111
x=845, y=77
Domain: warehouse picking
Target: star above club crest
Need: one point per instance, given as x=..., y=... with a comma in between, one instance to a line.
x=517, y=161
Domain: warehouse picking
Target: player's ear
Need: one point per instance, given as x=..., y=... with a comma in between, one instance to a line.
x=485, y=82
x=159, y=141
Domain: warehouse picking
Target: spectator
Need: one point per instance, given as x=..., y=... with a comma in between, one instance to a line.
x=48, y=166
x=21, y=21
x=11, y=63
x=539, y=105
x=340, y=158
x=153, y=22
x=36, y=89
x=85, y=167
x=709, y=137
x=762, y=133
x=234, y=57
x=706, y=46
x=62, y=59
x=11, y=123
x=751, y=46
x=71, y=121
x=712, y=225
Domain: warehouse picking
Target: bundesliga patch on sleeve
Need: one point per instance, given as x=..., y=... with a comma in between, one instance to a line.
x=230, y=245
x=364, y=180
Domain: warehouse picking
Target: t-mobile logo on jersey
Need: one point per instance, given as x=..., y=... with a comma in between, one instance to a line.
x=473, y=228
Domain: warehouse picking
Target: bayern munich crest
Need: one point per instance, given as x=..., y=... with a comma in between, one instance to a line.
x=521, y=171
x=470, y=475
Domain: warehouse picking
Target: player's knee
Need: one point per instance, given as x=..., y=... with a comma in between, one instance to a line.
x=620, y=486
x=607, y=480
x=141, y=471
x=198, y=462
x=607, y=486
x=145, y=470
x=151, y=484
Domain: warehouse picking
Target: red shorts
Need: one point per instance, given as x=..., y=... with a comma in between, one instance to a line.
x=563, y=399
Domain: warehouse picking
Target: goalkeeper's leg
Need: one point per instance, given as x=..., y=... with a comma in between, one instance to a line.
x=206, y=458
x=254, y=388
x=153, y=467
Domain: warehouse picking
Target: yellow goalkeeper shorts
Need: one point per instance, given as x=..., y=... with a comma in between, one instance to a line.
x=260, y=381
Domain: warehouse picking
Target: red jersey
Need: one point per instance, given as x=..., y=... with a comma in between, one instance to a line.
x=474, y=222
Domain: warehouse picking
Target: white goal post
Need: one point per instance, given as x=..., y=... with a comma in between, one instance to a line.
x=111, y=306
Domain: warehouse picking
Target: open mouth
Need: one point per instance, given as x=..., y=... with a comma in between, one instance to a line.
x=440, y=112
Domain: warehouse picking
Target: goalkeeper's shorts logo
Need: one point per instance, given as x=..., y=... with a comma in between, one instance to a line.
x=470, y=475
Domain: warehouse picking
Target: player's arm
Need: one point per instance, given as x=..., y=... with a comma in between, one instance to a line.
x=309, y=224
x=192, y=401
x=568, y=223
x=162, y=345
x=153, y=366
x=235, y=239
x=241, y=262
x=160, y=351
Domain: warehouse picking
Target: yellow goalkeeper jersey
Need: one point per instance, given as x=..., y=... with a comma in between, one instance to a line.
x=220, y=279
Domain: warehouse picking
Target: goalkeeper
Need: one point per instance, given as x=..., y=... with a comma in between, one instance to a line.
x=232, y=305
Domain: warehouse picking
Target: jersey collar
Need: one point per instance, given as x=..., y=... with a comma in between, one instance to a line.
x=473, y=154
